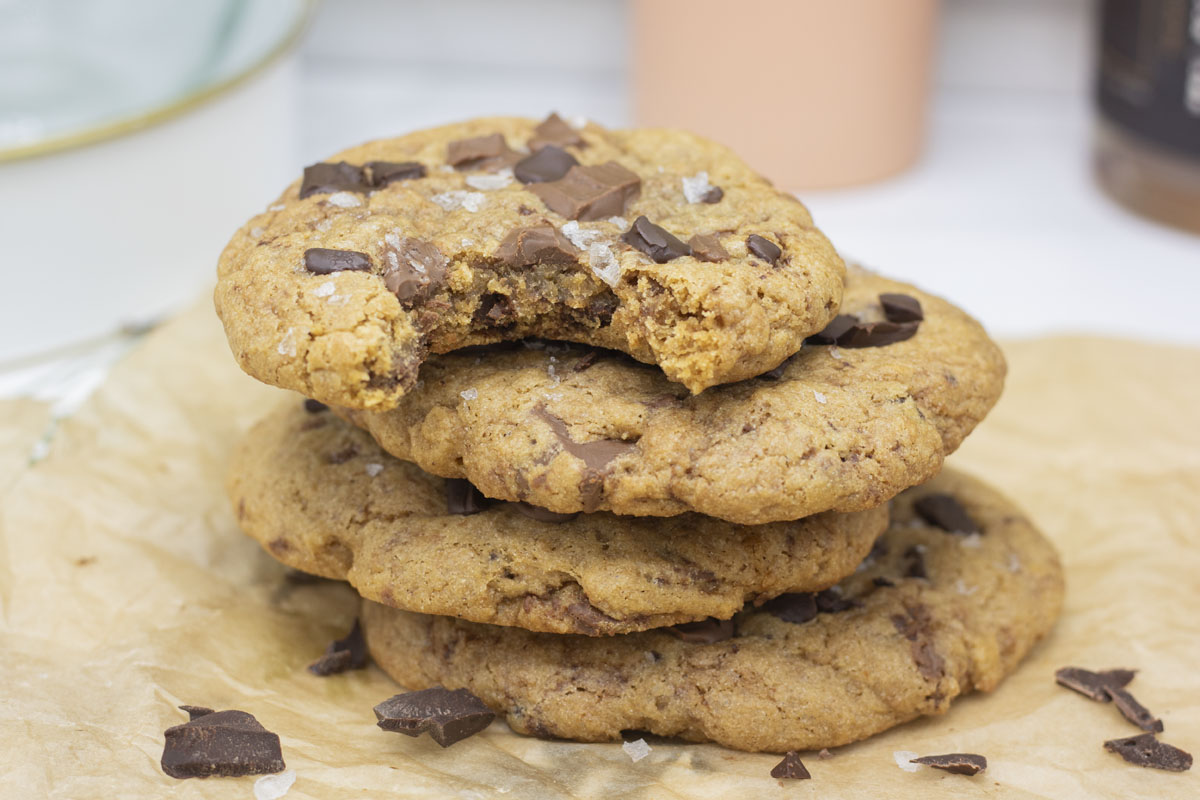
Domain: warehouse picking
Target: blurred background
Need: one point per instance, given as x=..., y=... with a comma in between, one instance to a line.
x=958, y=145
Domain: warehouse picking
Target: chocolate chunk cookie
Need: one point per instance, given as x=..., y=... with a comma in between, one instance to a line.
x=320, y=496
x=839, y=426
x=896, y=647
x=500, y=229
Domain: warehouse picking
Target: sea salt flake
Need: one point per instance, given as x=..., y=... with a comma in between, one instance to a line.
x=287, y=345
x=577, y=121
x=820, y=397
x=257, y=231
x=580, y=237
x=696, y=187
x=392, y=239
x=638, y=749
x=469, y=394
x=324, y=225
x=467, y=242
x=604, y=264
x=325, y=289
x=972, y=540
x=344, y=200
x=1014, y=563
x=457, y=198
x=273, y=787
x=487, y=182
x=963, y=589
x=833, y=351
x=903, y=757
x=279, y=207
x=374, y=469
x=620, y=222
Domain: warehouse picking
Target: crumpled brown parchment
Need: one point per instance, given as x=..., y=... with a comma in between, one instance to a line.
x=126, y=589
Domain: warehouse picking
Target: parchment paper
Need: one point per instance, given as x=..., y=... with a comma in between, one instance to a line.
x=126, y=590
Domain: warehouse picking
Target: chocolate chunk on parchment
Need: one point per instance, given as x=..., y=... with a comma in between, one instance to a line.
x=1134, y=711
x=901, y=307
x=463, y=499
x=542, y=244
x=195, y=712
x=326, y=178
x=795, y=607
x=654, y=241
x=958, y=763
x=448, y=716
x=547, y=164
x=323, y=261
x=1093, y=684
x=944, y=511
x=480, y=152
x=349, y=652
x=791, y=768
x=705, y=631
x=384, y=172
x=226, y=744
x=1147, y=751
x=707, y=247
x=554, y=130
x=764, y=248
x=414, y=270
x=541, y=514
x=314, y=406
x=590, y=193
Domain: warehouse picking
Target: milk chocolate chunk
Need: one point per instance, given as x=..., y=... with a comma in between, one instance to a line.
x=654, y=241
x=706, y=631
x=414, y=270
x=554, y=130
x=958, y=763
x=596, y=457
x=707, y=247
x=463, y=499
x=901, y=307
x=480, y=152
x=548, y=164
x=590, y=193
x=796, y=607
x=1147, y=751
x=763, y=248
x=314, y=406
x=349, y=652
x=448, y=716
x=946, y=513
x=1093, y=684
x=791, y=768
x=543, y=244
x=326, y=178
x=226, y=744
x=1134, y=711
x=323, y=261
x=542, y=514
x=384, y=172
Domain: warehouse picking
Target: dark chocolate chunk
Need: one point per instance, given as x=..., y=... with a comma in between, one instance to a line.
x=763, y=248
x=479, y=152
x=883, y=582
x=916, y=563
x=1093, y=684
x=946, y=513
x=713, y=195
x=796, y=608
x=596, y=457
x=553, y=130
x=343, y=455
x=1134, y=711
x=654, y=241
x=958, y=763
x=705, y=631
x=707, y=247
x=831, y=602
x=901, y=307
x=195, y=712
x=916, y=625
x=301, y=578
x=791, y=768
x=449, y=716
x=227, y=744
x=542, y=514
x=322, y=261
x=414, y=270
x=325, y=178
x=1146, y=751
x=548, y=164
x=342, y=654
x=838, y=327
x=877, y=334
x=587, y=360
x=463, y=499
x=385, y=172
x=589, y=193
x=543, y=244
x=314, y=406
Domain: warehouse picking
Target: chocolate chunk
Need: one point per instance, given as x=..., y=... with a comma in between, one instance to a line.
x=480, y=152
x=763, y=248
x=831, y=602
x=791, y=768
x=1093, y=684
x=713, y=195
x=195, y=712
x=463, y=499
x=414, y=270
x=227, y=744
x=553, y=130
x=1147, y=751
x=548, y=164
x=707, y=247
x=838, y=327
x=325, y=178
x=796, y=608
x=883, y=583
x=524, y=247
x=385, y=172
x=877, y=334
x=654, y=241
x=946, y=513
x=343, y=455
x=706, y=631
x=587, y=360
x=1134, y=711
x=916, y=563
x=958, y=763
x=314, y=406
x=301, y=578
x=916, y=625
x=901, y=307
x=323, y=261
x=342, y=654
x=596, y=457
x=590, y=193
x=449, y=716
x=542, y=514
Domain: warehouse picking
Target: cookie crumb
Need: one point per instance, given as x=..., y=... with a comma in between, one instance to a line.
x=824, y=755
x=344, y=200
x=273, y=787
x=469, y=394
x=636, y=750
x=904, y=760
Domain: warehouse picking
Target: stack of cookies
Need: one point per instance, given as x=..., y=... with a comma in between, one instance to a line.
x=604, y=432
